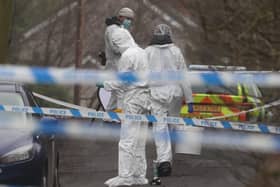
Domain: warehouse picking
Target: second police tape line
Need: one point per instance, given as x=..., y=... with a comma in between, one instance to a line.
x=66, y=76
x=93, y=114
x=187, y=140
x=70, y=105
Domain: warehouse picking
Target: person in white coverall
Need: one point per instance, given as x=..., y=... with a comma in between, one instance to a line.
x=132, y=159
x=164, y=55
x=116, y=26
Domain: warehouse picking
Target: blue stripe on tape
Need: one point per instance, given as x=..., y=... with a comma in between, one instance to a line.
x=127, y=77
x=226, y=125
x=37, y=110
x=260, y=78
x=114, y=116
x=52, y=126
x=212, y=79
x=263, y=128
x=151, y=118
x=76, y=113
x=189, y=121
x=42, y=76
x=2, y=108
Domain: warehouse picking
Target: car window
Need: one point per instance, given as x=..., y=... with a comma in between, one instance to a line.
x=252, y=90
x=8, y=98
x=30, y=97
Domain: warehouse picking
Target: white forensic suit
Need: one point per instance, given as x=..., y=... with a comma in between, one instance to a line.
x=132, y=159
x=113, y=34
x=166, y=99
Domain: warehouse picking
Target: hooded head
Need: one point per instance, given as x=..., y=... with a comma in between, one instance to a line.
x=162, y=30
x=126, y=12
x=162, y=34
x=126, y=16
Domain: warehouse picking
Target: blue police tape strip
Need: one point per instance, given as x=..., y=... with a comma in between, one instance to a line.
x=90, y=77
x=261, y=128
x=182, y=136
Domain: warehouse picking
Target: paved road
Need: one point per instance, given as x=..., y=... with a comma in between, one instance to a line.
x=89, y=163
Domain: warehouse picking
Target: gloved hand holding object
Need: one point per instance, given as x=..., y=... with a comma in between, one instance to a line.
x=102, y=57
x=190, y=107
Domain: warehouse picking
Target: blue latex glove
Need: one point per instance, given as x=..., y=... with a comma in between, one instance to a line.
x=190, y=107
x=100, y=85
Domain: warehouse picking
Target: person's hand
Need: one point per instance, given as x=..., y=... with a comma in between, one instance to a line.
x=102, y=57
x=190, y=107
x=99, y=85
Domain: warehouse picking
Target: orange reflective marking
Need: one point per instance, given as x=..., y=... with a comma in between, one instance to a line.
x=207, y=108
x=207, y=100
x=234, y=110
x=226, y=98
x=242, y=117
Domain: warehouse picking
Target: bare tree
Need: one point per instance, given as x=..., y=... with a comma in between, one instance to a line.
x=247, y=31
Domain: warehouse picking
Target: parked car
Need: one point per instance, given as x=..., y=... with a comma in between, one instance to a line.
x=218, y=101
x=26, y=158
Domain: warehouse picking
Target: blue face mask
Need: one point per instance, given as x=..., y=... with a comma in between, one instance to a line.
x=127, y=24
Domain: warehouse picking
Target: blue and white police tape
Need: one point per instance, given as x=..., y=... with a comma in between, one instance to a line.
x=66, y=76
x=226, y=140
x=93, y=114
x=187, y=140
x=70, y=105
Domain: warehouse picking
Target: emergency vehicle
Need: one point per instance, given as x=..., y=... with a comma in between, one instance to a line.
x=218, y=101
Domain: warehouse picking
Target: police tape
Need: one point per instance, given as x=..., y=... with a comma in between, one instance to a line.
x=187, y=140
x=226, y=141
x=38, y=75
x=65, y=104
x=93, y=114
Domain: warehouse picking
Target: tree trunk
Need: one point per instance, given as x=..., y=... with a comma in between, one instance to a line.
x=79, y=48
x=5, y=24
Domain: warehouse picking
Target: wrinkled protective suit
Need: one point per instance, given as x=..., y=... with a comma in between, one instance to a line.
x=132, y=158
x=167, y=99
x=113, y=34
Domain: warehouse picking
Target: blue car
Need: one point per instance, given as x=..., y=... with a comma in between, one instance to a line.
x=26, y=158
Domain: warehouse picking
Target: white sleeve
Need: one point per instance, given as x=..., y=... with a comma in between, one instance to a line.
x=124, y=65
x=113, y=38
